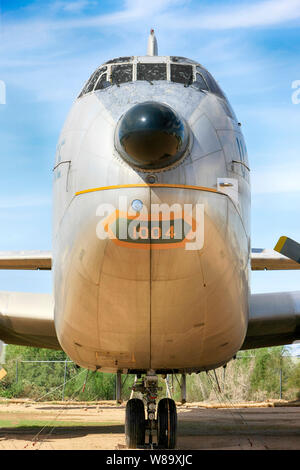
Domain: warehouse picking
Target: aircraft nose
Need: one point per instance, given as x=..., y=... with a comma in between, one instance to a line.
x=151, y=135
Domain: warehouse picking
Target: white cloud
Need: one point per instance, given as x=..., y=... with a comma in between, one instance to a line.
x=263, y=13
x=133, y=10
x=142, y=7
x=74, y=7
x=172, y=14
x=43, y=28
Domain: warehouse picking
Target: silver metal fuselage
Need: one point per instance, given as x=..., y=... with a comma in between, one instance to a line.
x=122, y=308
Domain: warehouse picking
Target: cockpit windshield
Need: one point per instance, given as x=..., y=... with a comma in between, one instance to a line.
x=121, y=74
x=151, y=72
x=172, y=69
x=182, y=74
x=211, y=82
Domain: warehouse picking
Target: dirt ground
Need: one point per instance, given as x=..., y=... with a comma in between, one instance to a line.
x=83, y=426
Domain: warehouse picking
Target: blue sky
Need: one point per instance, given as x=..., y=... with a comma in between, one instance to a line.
x=49, y=48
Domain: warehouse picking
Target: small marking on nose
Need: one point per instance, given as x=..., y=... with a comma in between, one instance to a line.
x=151, y=179
x=137, y=205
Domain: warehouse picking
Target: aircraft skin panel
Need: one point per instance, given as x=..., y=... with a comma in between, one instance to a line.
x=195, y=318
x=106, y=319
x=124, y=300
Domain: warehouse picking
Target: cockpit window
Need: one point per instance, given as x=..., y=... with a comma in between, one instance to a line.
x=102, y=82
x=128, y=69
x=121, y=74
x=182, y=74
x=200, y=83
x=150, y=72
x=213, y=86
x=93, y=80
x=87, y=85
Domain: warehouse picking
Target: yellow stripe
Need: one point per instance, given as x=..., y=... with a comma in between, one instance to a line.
x=144, y=185
x=280, y=244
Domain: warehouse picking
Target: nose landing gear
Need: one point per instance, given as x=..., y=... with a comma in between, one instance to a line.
x=150, y=432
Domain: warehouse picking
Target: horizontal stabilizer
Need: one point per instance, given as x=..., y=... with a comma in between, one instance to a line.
x=262, y=259
x=26, y=260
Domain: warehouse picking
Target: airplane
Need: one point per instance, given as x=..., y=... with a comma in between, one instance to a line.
x=136, y=291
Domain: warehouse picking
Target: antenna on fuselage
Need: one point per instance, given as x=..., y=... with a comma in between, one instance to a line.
x=152, y=44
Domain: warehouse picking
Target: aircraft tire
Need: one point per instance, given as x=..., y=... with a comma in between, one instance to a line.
x=135, y=423
x=166, y=423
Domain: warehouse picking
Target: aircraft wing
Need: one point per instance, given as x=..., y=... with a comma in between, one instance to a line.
x=274, y=319
x=27, y=319
x=25, y=260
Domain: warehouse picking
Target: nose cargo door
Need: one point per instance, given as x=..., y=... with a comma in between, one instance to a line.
x=124, y=291
x=178, y=300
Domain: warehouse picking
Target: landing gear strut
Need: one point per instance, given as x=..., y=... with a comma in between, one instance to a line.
x=150, y=432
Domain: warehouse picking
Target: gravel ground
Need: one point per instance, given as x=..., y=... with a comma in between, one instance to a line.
x=93, y=426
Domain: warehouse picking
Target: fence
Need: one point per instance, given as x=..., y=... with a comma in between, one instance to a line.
x=242, y=379
x=51, y=379
x=63, y=386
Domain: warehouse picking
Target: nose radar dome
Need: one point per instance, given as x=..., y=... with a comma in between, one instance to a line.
x=151, y=136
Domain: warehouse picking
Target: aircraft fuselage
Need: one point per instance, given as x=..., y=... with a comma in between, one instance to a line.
x=130, y=306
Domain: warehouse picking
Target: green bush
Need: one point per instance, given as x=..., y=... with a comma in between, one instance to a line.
x=255, y=376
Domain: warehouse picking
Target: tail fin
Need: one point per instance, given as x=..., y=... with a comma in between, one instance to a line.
x=288, y=247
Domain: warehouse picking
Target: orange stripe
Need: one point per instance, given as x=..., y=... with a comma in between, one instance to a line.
x=144, y=185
